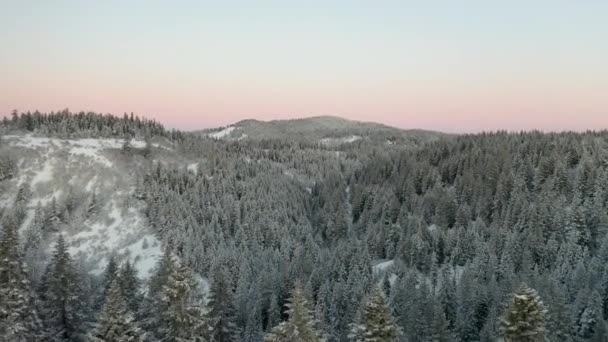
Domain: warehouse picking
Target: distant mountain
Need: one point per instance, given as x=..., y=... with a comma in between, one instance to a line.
x=328, y=130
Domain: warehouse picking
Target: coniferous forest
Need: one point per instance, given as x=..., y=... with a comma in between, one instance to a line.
x=394, y=236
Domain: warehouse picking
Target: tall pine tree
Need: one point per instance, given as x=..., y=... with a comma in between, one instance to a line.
x=376, y=324
x=19, y=320
x=184, y=316
x=300, y=326
x=222, y=314
x=524, y=319
x=116, y=322
x=62, y=296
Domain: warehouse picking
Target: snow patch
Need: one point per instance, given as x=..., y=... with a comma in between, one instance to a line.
x=44, y=175
x=223, y=133
x=193, y=168
x=382, y=266
x=337, y=141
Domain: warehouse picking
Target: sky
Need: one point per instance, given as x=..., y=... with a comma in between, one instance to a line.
x=453, y=66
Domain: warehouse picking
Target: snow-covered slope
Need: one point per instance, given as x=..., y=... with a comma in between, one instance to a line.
x=222, y=133
x=327, y=130
x=96, y=181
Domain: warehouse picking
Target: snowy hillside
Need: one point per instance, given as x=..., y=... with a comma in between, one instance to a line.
x=326, y=130
x=95, y=181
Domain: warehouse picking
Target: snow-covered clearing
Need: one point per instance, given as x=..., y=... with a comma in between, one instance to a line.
x=223, y=133
x=337, y=141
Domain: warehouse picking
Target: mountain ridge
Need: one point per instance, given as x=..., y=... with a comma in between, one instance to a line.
x=317, y=128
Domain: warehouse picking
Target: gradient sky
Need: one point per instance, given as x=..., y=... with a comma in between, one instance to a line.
x=455, y=66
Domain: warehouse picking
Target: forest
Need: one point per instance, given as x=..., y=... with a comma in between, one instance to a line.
x=479, y=237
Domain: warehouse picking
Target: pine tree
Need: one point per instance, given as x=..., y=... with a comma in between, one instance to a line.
x=376, y=324
x=184, y=317
x=440, y=331
x=222, y=314
x=19, y=320
x=153, y=305
x=62, y=296
x=300, y=326
x=116, y=322
x=130, y=287
x=108, y=278
x=524, y=319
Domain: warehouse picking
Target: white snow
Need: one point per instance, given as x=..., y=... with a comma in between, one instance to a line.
x=44, y=175
x=144, y=254
x=382, y=266
x=193, y=168
x=120, y=233
x=91, y=153
x=338, y=141
x=223, y=133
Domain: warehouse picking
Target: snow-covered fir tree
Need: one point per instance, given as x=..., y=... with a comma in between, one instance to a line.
x=524, y=318
x=184, y=316
x=116, y=322
x=19, y=319
x=222, y=314
x=130, y=285
x=61, y=293
x=376, y=323
x=300, y=324
x=153, y=305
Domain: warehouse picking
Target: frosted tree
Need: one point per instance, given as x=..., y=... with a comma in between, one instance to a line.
x=184, y=316
x=440, y=331
x=376, y=323
x=152, y=304
x=116, y=321
x=300, y=326
x=19, y=320
x=62, y=296
x=524, y=319
x=222, y=314
x=109, y=275
x=130, y=287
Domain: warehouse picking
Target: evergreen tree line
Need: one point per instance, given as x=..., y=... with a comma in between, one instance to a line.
x=66, y=124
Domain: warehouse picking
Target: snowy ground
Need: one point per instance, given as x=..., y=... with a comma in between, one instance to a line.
x=57, y=168
x=223, y=133
x=384, y=267
x=337, y=141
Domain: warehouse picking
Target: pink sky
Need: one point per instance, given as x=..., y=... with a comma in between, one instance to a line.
x=196, y=64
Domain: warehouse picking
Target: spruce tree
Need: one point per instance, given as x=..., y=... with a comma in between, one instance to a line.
x=184, y=316
x=222, y=314
x=152, y=305
x=300, y=326
x=62, y=296
x=130, y=287
x=19, y=320
x=440, y=331
x=524, y=319
x=376, y=323
x=109, y=275
x=116, y=322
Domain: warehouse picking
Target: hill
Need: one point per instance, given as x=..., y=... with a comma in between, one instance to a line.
x=323, y=129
